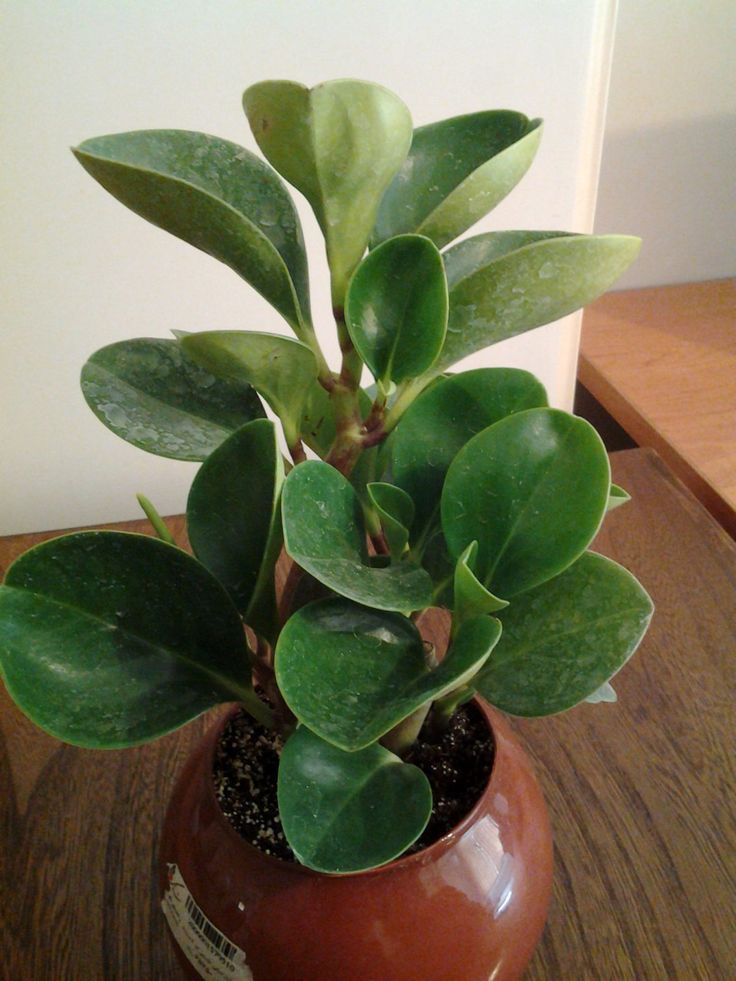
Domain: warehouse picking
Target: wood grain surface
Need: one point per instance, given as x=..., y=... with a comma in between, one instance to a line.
x=641, y=794
x=662, y=362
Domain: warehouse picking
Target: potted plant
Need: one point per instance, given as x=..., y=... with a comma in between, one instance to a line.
x=463, y=492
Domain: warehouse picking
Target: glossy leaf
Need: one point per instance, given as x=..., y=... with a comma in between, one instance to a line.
x=282, y=370
x=110, y=639
x=471, y=598
x=532, y=490
x=457, y=170
x=495, y=294
x=215, y=195
x=564, y=639
x=151, y=394
x=442, y=420
x=395, y=511
x=234, y=523
x=351, y=673
x=324, y=534
x=340, y=144
x=396, y=308
x=344, y=812
x=616, y=497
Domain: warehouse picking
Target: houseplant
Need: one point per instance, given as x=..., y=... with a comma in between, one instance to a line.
x=429, y=489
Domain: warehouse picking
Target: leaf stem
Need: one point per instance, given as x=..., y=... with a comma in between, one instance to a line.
x=405, y=395
x=158, y=523
x=297, y=452
x=255, y=707
x=444, y=709
x=402, y=737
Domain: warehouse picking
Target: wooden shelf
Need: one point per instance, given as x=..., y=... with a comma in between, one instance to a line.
x=662, y=362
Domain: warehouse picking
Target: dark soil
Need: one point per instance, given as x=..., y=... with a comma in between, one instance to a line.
x=458, y=764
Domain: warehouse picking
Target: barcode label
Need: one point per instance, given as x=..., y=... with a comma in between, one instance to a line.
x=204, y=926
x=206, y=948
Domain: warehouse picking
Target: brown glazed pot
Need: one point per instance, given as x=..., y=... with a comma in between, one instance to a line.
x=469, y=908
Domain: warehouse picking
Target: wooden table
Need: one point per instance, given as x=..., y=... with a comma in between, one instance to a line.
x=662, y=362
x=641, y=795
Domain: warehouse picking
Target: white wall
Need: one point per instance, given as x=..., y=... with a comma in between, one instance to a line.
x=669, y=160
x=79, y=271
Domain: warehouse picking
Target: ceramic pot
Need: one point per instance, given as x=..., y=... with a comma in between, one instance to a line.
x=469, y=908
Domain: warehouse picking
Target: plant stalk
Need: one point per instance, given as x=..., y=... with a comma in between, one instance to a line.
x=158, y=523
x=255, y=707
x=402, y=737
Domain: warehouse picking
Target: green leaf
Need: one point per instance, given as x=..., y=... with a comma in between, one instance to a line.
x=234, y=523
x=109, y=639
x=345, y=812
x=500, y=288
x=395, y=511
x=532, y=490
x=564, y=639
x=324, y=534
x=340, y=144
x=148, y=392
x=283, y=371
x=351, y=673
x=396, y=308
x=471, y=598
x=616, y=497
x=215, y=195
x=457, y=171
x=442, y=420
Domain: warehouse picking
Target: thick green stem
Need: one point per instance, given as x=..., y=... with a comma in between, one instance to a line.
x=307, y=335
x=406, y=394
x=352, y=367
x=255, y=707
x=158, y=523
x=444, y=709
x=402, y=737
x=348, y=443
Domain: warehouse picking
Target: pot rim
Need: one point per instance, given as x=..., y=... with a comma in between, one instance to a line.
x=428, y=854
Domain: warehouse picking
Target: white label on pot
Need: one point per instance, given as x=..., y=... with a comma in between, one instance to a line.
x=208, y=950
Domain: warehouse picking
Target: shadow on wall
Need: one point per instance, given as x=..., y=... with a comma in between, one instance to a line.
x=675, y=187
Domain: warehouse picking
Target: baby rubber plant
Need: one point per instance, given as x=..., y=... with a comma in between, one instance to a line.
x=464, y=491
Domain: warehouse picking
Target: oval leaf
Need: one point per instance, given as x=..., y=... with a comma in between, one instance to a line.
x=564, y=639
x=532, y=490
x=151, y=394
x=351, y=673
x=442, y=420
x=283, y=371
x=526, y=287
x=234, y=523
x=324, y=533
x=109, y=639
x=471, y=598
x=215, y=195
x=340, y=144
x=395, y=511
x=345, y=812
x=456, y=172
x=396, y=308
